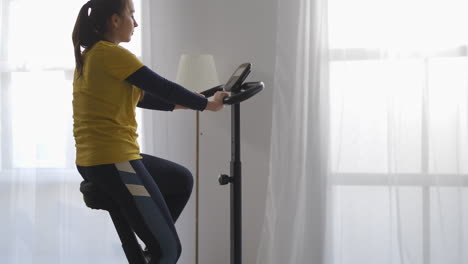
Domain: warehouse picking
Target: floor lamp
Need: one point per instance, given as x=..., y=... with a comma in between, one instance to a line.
x=197, y=73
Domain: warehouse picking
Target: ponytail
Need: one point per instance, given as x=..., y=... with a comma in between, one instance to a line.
x=91, y=26
x=82, y=33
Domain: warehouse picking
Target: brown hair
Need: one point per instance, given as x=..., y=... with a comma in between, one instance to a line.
x=91, y=26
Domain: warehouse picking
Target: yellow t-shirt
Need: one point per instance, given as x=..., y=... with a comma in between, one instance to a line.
x=104, y=106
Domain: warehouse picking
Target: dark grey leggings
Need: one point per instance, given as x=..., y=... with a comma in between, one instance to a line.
x=151, y=192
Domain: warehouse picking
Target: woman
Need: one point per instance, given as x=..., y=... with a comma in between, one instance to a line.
x=108, y=85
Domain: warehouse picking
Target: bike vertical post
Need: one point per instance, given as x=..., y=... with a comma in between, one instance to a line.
x=236, y=187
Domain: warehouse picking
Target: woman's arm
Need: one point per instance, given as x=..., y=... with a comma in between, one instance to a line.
x=152, y=102
x=165, y=90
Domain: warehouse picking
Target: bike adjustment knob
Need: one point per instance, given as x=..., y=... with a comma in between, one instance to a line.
x=224, y=179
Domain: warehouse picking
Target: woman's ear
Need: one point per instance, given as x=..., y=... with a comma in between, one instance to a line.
x=114, y=21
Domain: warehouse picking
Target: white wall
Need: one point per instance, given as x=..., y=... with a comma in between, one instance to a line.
x=234, y=32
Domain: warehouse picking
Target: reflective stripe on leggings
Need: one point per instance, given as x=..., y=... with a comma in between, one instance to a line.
x=153, y=208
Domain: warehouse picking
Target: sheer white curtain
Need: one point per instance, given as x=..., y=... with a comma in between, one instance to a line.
x=44, y=219
x=390, y=147
x=297, y=203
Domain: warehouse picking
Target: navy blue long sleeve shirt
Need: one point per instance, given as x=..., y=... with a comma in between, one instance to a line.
x=162, y=94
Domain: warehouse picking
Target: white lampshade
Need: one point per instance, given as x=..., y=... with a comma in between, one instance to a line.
x=197, y=72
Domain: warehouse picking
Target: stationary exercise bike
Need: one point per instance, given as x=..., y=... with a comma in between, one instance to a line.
x=240, y=92
x=97, y=199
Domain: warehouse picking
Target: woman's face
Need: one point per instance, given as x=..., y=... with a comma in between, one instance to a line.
x=127, y=23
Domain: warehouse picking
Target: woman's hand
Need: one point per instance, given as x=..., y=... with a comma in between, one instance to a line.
x=216, y=103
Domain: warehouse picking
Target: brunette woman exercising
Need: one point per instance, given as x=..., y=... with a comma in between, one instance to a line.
x=109, y=83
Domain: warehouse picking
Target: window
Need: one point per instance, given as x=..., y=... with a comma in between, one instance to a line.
x=399, y=111
x=37, y=64
x=395, y=66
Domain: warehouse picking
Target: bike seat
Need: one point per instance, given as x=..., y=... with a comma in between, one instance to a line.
x=95, y=198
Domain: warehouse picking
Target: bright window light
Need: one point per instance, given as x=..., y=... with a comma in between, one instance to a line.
x=398, y=24
x=398, y=81
x=41, y=38
x=41, y=63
